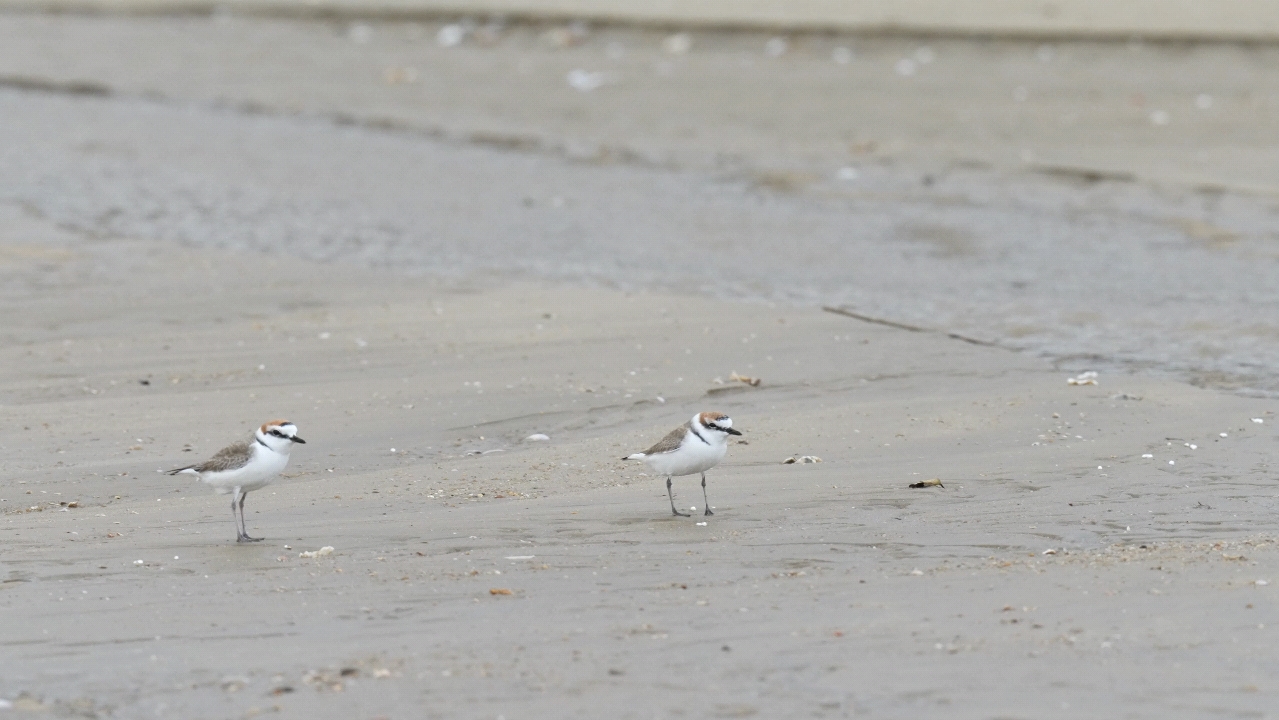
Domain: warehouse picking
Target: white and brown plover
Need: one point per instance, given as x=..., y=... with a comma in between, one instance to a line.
x=247, y=466
x=694, y=447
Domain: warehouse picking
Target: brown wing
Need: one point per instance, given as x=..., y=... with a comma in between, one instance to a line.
x=228, y=458
x=671, y=442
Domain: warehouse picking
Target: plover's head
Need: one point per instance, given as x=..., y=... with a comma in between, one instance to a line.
x=716, y=422
x=279, y=435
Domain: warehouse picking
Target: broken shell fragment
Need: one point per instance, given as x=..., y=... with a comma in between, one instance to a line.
x=931, y=482
x=586, y=81
x=752, y=381
x=501, y=591
x=801, y=460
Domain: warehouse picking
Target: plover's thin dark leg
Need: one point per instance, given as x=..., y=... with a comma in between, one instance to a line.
x=239, y=534
x=244, y=536
x=704, y=498
x=671, y=495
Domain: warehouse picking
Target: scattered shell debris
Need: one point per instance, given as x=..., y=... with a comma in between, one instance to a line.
x=752, y=381
x=1087, y=378
x=801, y=460
x=326, y=550
x=930, y=482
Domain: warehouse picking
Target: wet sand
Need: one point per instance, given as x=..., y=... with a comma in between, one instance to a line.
x=1017, y=193
x=827, y=590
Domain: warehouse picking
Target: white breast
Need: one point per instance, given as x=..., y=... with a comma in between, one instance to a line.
x=257, y=474
x=693, y=456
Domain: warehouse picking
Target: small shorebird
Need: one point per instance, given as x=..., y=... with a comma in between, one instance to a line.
x=247, y=466
x=694, y=447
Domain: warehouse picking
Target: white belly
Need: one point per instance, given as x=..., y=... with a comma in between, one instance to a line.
x=256, y=475
x=689, y=459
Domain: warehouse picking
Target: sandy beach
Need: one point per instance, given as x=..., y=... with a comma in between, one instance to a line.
x=176, y=269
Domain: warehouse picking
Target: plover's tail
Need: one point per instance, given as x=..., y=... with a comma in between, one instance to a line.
x=189, y=470
x=636, y=456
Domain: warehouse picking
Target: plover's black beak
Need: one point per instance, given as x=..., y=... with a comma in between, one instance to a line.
x=731, y=431
x=297, y=439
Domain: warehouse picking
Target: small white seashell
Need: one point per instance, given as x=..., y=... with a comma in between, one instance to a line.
x=1259, y=420
x=450, y=35
x=537, y=437
x=584, y=80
